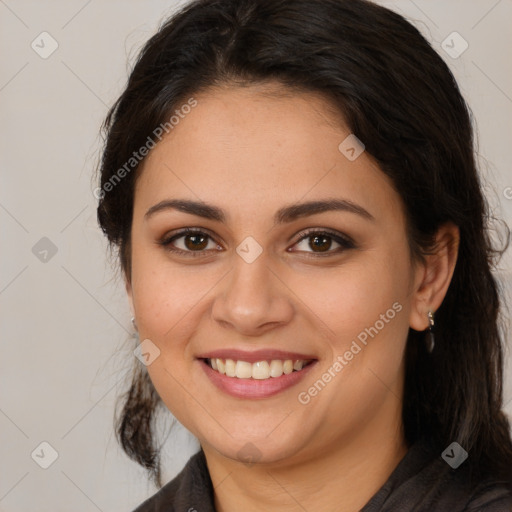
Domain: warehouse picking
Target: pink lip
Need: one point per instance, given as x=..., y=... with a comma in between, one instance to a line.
x=253, y=388
x=255, y=356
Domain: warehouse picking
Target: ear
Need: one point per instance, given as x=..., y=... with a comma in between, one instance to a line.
x=434, y=275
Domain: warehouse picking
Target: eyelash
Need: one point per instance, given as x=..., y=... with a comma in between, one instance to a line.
x=344, y=241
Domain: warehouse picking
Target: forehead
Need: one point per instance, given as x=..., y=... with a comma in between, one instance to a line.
x=247, y=147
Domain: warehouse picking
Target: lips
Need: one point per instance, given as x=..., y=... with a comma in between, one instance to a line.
x=257, y=374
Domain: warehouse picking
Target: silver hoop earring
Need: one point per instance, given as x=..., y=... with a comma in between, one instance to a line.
x=430, y=339
x=134, y=323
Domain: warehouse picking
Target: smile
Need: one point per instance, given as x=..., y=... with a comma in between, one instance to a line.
x=260, y=370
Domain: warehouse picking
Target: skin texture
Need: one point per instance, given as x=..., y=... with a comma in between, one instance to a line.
x=252, y=151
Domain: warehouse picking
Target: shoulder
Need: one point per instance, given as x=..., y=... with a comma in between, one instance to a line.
x=190, y=491
x=461, y=490
x=478, y=493
x=490, y=497
x=424, y=482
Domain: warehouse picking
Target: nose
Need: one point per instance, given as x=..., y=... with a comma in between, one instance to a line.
x=253, y=298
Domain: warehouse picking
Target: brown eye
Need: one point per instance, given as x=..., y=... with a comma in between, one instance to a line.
x=321, y=242
x=194, y=241
x=189, y=242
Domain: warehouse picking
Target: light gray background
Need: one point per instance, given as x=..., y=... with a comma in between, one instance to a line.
x=65, y=323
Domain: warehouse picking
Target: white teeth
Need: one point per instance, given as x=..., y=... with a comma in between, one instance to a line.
x=276, y=368
x=260, y=370
x=297, y=365
x=243, y=370
x=230, y=368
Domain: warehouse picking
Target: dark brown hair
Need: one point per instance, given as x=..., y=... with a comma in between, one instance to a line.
x=399, y=97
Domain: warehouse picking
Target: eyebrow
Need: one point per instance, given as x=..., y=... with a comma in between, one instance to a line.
x=282, y=216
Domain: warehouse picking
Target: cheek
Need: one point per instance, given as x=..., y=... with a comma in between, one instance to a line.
x=365, y=309
x=367, y=295
x=169, y=305
x=162, y=297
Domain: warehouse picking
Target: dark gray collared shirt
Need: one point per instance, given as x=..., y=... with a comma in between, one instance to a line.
x=422, y=482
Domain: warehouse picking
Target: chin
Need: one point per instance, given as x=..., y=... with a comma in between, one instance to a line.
x=258, y=449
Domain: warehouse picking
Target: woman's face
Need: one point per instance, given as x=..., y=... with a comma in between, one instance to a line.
x=268, y=279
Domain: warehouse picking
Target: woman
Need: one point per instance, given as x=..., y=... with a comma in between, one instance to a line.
x=292, y=190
